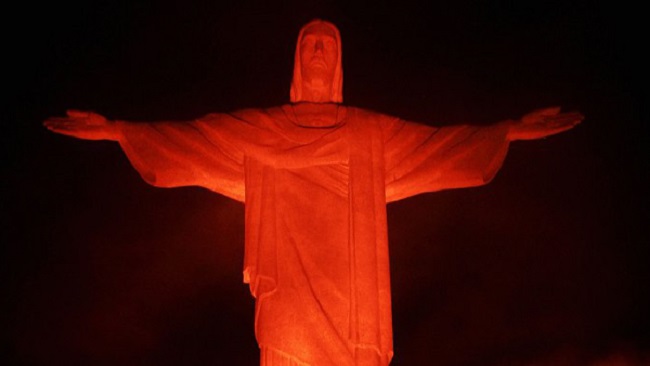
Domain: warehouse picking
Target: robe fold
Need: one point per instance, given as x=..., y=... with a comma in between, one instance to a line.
x=316, y=247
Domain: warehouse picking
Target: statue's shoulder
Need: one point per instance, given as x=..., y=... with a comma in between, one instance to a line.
x=253, y=113
x=370, y=113
x=253, y=116
x=366, y=115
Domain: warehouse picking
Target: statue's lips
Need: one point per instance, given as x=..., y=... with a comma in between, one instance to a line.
x=317, y=63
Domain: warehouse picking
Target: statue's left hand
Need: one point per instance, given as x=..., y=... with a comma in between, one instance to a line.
x=83, y=125
x=542, y=123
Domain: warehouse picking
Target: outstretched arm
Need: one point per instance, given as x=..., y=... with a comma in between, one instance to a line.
x=84, y=125
x=421, y=158
x=168, y=154
x=542, y=123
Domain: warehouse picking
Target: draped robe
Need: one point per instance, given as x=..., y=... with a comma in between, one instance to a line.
x=316, y=250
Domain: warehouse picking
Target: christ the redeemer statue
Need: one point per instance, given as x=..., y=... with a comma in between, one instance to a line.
x=315, y=176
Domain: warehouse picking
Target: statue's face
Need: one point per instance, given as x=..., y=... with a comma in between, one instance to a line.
x=318, y=55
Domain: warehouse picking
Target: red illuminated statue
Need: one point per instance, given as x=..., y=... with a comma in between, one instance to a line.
x=315, y=177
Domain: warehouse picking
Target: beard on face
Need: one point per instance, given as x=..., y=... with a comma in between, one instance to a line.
x=317, y=73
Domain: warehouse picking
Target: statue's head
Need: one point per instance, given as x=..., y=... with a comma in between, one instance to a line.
x=317, y=73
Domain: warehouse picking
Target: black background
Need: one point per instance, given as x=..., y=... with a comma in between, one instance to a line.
x=548, y=264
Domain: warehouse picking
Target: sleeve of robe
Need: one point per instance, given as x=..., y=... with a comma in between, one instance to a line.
x=207, y=152
x=420, y=158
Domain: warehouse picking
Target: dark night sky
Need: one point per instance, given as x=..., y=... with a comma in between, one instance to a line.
x=548, y=264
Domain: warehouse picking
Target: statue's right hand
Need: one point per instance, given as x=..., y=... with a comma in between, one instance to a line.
x=83, y=125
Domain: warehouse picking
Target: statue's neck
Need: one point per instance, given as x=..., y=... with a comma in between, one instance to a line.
x=317, y=114
x=317, y=92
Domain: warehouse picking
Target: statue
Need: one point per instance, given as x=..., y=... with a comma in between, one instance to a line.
x=315, y=176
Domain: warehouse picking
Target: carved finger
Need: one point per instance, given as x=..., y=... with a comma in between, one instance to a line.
x=75, y=113
x=551, y=111
x=65, y=132
x=570, y=119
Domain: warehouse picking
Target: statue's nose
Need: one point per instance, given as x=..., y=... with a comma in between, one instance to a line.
x=319, y=45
